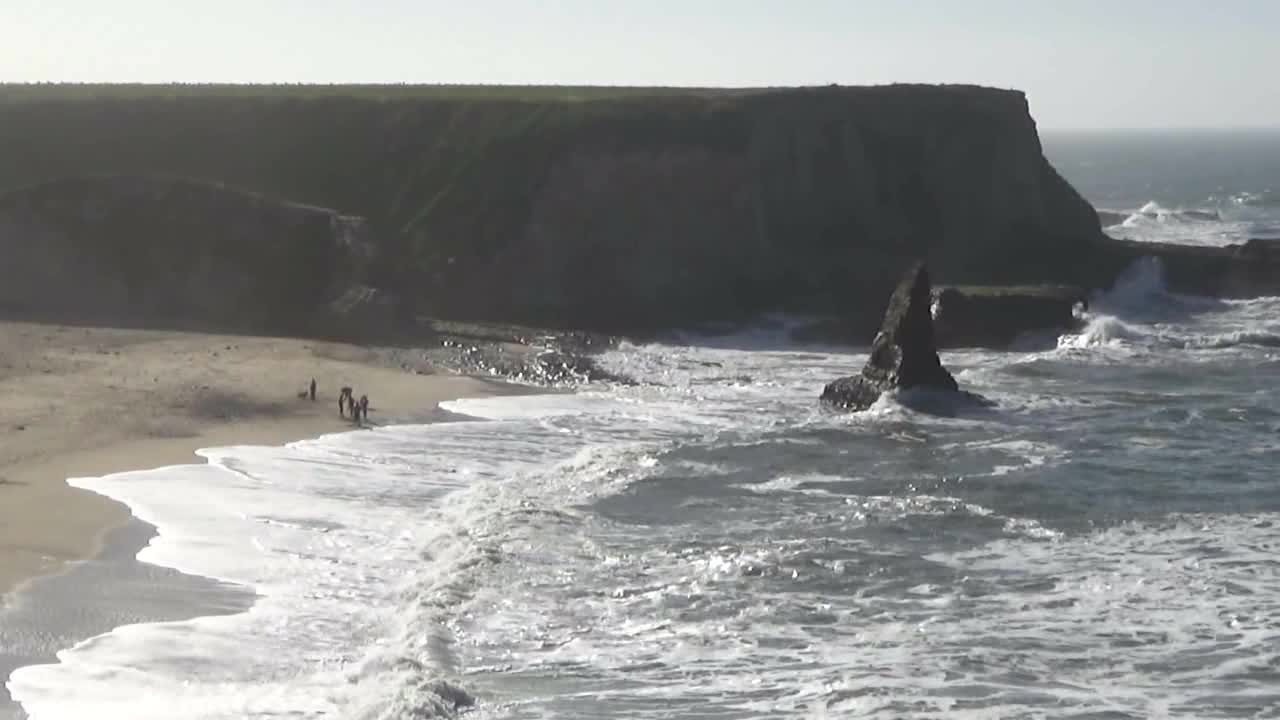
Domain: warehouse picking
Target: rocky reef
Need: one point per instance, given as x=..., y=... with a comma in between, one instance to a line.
x=532, y=356
x=903, y=354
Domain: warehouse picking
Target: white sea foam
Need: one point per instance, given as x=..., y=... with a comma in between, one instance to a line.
x=326, y=531
x=1214, y=224
x=332, y=533
x=1139, y=316
x=557, y=557
x=808, y=484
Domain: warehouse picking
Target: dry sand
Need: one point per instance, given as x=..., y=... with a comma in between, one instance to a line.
x=78, y=401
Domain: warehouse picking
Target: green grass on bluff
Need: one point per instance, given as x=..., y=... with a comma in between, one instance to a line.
x=138, y=91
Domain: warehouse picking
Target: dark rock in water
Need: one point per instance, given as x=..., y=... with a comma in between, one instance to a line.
x=903, y=354
x=1250, y=269
x=993, y=316
x=856, y=392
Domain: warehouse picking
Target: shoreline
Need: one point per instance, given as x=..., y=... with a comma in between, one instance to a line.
x=47, y=617
x=103, y=514
x=88, y=402
x=41, y=615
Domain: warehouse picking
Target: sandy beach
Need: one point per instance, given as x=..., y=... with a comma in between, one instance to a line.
x=78, y=401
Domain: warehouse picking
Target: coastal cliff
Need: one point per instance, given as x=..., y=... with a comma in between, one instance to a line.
x=619, y=211
x=811, y=201
x=177, y=252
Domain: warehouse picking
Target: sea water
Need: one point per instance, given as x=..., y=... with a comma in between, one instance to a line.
x=1199, y=187
x=1101, y=543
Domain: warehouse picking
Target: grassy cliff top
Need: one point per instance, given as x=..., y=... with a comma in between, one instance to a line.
x=41, y=92
x=10, y=92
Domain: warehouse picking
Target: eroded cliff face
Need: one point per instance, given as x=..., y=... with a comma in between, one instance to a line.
x=810, y=201
x=619, y=214
x=173, y=252
x=623, y=238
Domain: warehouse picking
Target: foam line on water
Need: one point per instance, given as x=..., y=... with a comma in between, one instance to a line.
x=324, y=530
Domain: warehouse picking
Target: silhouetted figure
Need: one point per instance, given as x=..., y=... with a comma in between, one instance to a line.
x=344, y=395
x=364, y=407
x=312, y=391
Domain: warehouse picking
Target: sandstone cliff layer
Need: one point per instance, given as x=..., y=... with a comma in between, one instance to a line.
x=621, y=213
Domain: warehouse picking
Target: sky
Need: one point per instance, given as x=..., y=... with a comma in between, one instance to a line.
x=1082, y=63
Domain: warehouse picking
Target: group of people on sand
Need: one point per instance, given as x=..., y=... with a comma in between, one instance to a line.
x=358, y=409
x=348, y=406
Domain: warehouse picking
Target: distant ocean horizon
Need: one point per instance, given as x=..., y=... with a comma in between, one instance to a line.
x=1196, y=186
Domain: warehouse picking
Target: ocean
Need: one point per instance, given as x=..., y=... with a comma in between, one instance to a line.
x=1201, y=187
x=1102, y=542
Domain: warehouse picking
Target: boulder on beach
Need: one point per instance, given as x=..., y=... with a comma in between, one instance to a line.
x=903, y=354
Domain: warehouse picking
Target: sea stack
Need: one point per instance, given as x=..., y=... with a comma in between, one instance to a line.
x=903, y=354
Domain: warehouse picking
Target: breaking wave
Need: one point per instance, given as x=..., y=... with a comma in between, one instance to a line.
x=1139, y=313
x=1220, y=221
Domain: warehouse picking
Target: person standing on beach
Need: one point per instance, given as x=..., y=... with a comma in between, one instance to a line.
x=313, y=390
x=364, y=407
x=343, y=396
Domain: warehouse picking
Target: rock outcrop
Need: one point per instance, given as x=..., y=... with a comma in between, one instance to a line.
x=994, y=316
x=1249, y=269
x=903, y=354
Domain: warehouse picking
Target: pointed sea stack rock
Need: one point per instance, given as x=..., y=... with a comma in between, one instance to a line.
x=903, y=354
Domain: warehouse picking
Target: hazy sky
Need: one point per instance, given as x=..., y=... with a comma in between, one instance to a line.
x=1083, y=63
